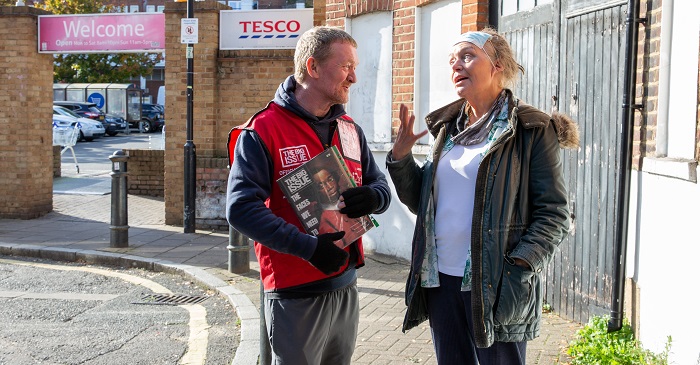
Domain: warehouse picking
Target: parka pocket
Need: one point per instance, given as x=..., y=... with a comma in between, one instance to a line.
x=516, y=300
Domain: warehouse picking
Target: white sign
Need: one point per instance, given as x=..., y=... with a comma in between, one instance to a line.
x=189, y=30
x=263, y=29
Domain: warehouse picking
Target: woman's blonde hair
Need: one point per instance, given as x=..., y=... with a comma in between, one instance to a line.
x=316, y=42
x=499, y=50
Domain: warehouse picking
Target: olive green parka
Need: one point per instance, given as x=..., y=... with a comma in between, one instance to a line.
x=520, y=211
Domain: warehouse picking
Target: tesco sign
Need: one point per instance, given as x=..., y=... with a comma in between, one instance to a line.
x=263, y=29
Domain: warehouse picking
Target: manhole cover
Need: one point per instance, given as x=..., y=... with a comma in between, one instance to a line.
x=171, y=299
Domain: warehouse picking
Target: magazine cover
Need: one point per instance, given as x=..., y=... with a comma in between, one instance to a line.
x=313, y=190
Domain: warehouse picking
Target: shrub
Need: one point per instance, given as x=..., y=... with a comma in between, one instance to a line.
x=595, y=346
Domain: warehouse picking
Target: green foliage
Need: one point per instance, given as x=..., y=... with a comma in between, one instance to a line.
x=595, y=346
x=75, y=6
x=96, y=68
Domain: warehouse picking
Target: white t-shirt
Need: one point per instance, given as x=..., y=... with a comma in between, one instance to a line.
x=455, y=182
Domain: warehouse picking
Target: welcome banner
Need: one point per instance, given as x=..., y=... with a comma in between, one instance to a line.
x=102, y=33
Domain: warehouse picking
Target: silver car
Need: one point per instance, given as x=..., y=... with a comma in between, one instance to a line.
x=89, y=129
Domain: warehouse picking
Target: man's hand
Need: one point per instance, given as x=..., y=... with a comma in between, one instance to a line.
x=359, y=201
x=328, y=257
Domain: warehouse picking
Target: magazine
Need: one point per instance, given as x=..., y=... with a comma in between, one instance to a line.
x=313, y=190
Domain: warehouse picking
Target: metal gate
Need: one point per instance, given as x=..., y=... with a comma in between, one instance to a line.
x=573, y=55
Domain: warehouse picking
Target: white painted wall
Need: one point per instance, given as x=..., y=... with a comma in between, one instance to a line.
x=437, y=25
x=395, y=231
x=663, y=256
x=370, y=97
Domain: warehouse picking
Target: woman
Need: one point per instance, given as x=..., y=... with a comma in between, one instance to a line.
x=491, y=208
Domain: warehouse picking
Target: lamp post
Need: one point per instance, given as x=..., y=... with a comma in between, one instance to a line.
x=190, y=149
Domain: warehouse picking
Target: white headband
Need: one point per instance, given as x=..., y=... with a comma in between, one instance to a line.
x=478, y=39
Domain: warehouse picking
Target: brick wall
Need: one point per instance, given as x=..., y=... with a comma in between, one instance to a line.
x=145, y=169
x=26, y=152
x=647, y=89
x=56, y=161
x=206, y=116
x=229, y=87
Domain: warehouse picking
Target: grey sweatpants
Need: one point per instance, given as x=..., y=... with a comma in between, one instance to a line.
x=313, y=331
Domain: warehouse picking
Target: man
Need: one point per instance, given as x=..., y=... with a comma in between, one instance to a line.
x=310, y=300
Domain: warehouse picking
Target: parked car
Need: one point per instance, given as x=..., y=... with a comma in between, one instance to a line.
x=152, y=118
x=115, y=125
x=111, y=124
x=89, y=129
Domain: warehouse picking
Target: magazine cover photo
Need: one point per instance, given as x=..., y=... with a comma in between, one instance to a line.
x=314, y=189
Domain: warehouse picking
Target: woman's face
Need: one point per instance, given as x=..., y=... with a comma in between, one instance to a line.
x=472, y=71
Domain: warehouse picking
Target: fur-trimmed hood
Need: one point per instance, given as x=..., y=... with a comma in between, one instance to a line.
x=529, y=116
x=567, y=130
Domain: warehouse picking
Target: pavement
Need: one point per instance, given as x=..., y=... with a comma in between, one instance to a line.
x=78, y=229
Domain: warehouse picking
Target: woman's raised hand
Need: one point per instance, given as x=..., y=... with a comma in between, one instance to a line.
x=405, y=138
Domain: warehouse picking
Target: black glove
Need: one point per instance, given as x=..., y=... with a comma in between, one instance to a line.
x=328, y=257
x=359, y=201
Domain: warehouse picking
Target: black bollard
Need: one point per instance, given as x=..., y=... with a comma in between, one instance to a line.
x=119, y=229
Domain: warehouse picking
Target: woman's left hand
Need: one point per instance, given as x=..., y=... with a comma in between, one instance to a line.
x=405, y=138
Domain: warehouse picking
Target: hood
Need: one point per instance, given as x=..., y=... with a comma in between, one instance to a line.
x=567, y=130
x=529, y=117
x=284, y=97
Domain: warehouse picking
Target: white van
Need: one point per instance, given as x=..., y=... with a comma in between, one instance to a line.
x=161, y=95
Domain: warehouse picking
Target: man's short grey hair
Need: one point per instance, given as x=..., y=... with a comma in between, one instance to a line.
x=316, y=42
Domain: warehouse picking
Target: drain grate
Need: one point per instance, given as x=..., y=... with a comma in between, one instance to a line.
x=171, y=299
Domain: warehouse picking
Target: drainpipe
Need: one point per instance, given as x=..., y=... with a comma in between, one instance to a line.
x=625, y=171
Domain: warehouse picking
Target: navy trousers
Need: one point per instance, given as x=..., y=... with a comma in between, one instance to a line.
x=450, y=314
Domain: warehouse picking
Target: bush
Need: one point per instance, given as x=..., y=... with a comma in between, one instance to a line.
x=595, y=346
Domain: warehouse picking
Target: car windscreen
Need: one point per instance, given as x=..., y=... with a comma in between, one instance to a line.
x=95, y=109
x=67, y=112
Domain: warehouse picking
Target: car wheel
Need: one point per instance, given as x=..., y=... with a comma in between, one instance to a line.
x=89, y=139
x=147, y=127
x=81, y=137
x=112, y=134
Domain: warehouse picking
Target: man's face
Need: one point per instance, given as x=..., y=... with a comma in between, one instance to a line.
x=337, y=73
x=327, y=183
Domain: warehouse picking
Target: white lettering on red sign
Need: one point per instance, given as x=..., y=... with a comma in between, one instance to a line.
x=295, y=155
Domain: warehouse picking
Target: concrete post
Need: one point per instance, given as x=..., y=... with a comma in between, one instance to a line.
x=119, y=229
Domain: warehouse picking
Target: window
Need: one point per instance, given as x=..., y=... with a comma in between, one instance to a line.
x=678, y=85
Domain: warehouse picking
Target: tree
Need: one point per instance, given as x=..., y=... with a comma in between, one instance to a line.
x=96, y=67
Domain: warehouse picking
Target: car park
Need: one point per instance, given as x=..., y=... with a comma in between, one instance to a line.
x=89, y=129
x=111, y=124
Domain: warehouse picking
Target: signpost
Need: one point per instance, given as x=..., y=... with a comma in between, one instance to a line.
x=189, y=34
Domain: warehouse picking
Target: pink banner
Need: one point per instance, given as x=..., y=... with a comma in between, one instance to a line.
x=102, y=33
